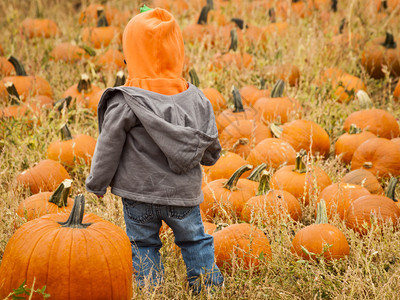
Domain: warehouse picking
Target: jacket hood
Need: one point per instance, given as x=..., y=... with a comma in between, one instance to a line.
x=154, y=52
x=183, y=125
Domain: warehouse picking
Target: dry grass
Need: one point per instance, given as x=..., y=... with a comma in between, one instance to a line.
x=372, y=269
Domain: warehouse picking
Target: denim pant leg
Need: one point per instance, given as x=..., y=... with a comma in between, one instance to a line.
x=197, y=247
x=142, y=227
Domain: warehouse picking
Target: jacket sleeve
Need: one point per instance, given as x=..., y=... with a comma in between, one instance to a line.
x=212, y=154
x=117, y=121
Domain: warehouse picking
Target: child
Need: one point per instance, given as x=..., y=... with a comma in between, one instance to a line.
x=154, y=133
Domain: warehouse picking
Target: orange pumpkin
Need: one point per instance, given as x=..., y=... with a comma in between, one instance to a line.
x=111, y=60
x=250, y=93
x=218, y=101
x=45, y=176
x=227, y=196
x=320, y=239
x=72, y=151
x=382, y=52
x=102, y=35
x=6, y=68
x=286, y=72
x=376, y=209
x=241, y=241
x=304, y=134
x=277, y=108
x=83, y=91
x=273, y=152
x=396, y=93
x=45, y=203
x=39, y=28
x=48, y=252
x=26, y=85
x=240, y=112
x=380, y=156
x=348, y=143
x=302, y=182
x=70, y=53
x=270, y=204
x=225, y=166
x=364, y=178
x=378, y=121
x=339, y=196
x=243, y=135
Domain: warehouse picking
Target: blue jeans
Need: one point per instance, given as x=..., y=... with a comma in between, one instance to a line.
x=143, y=222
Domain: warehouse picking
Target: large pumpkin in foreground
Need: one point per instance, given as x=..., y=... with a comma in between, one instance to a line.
x=80, y=257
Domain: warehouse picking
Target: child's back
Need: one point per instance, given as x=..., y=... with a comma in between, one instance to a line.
x=154, y=133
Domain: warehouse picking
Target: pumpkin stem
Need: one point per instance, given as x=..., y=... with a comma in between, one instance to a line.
x=389, y=42
x=234, y=40
x=237, y=100
x=239, y=22
x=263, y=187
x=276, y=130
x=63, y=102
x=210, y=4
x=255, y=174
x=262, y=84
x=39, y=9
x=194, y=79
x=354, y=129
x=60, y=195
x=241, y=141
x=322, y=217
x=300, y=165
x=19, y=68
x=76, y=217
x=90, y=51
x=334, y=5
x=232, y=181
x=367, y=165
x=390, y=191
x=101, y=18
x=277, y=90
x=384, y=4
x=343, y=23
x=203, y=15
x=272, y=15
x=120, y=79
x=84, y=84
x=13, y=95
x=65, y=133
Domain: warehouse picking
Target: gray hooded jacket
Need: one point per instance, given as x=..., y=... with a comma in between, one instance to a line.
x=151, y=145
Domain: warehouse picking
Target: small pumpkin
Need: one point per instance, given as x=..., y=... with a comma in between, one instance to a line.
x=244, y=242
x=26, y=86
x=377, y=209
x=347, y=143
x=270, y=204
x=382, y=52
x=320, y=239
x=339, y=196
x=72, y=151
x=217, y=100
x=302, y=182
x=102, y=35
x=243, y=135
x=45, y=203
x=380, y=156
x=45, y=176
x=364, y=178
x=239, y=112
x=111, y=60
x=277, y=108
x=275, y=153
x=39, y=28
x=65, y=252
x=250, y=93
x=304, y=134
x=227, y=196
x=228, y=163
x=287, y=72
x=378, y=121
x=83, y=91
x=70, y=53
